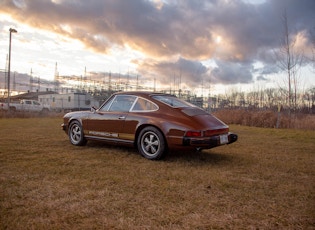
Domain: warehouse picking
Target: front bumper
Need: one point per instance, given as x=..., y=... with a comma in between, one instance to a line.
x=210, y=142
x=64, y=127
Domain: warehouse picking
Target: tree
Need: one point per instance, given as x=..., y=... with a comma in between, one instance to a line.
x=312, y=58
x=289, y=59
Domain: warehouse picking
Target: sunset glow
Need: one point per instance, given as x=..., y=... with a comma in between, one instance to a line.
x=170, y=44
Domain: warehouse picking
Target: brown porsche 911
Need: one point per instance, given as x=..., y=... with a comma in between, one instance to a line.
x=152, y=122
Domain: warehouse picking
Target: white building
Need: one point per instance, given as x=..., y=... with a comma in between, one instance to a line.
x=69, y=101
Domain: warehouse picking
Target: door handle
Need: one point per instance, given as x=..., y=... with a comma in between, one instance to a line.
x=121, y=117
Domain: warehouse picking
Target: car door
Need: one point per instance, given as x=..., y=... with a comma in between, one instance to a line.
x=28, y=105
x=36, y=106
x=108, y=122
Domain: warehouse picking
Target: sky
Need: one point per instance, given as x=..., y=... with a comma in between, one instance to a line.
x=206, y=46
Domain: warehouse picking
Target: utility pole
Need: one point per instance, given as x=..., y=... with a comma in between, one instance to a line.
x=9, y=65
x=31, y=81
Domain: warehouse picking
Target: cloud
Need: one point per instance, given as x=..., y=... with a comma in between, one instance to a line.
x=232, y=73
x=269, y=69
x=261, y=78
x=180, y=71
x=165, y=30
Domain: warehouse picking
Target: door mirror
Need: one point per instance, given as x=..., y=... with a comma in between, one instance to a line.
x=93, y=109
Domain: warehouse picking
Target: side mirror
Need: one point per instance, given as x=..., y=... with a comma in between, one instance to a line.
x=93, y=109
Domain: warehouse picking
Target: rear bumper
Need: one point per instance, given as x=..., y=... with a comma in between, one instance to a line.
x=209, y=142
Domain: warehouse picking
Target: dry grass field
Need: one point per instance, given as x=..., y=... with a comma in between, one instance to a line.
x=266, y=180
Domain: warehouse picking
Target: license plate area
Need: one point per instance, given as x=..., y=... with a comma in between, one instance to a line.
x=224, y=139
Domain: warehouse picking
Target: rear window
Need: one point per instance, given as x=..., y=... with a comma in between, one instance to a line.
x=172, y=101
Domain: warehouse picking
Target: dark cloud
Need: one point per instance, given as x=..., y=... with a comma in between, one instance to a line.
x=232, y=73
x=24, y=82
x=261, y=78
x=187, y=28
x=269, y=69
x=181, y=71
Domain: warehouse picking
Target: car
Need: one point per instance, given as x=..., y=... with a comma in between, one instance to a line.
x=151, y=122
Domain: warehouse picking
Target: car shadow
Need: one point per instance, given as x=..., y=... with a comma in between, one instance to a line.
x=201, y=157
x=192, y=156
x=112, y=147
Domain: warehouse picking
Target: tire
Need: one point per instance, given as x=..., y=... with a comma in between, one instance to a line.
x=44, y=111
x=75, y=133
x=151, y=143
x=13, y=109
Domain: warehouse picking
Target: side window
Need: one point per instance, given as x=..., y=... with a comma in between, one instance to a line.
x=107, y=105
x=144, y=105
x=122, y=103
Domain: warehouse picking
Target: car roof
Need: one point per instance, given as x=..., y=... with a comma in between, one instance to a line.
x=141, y=93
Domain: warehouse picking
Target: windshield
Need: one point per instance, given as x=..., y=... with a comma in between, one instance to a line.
x=173, y=101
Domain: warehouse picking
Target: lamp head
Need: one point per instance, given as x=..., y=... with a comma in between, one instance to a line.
x=12, y=30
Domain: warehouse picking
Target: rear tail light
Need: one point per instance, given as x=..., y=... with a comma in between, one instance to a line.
x=209, y=133
x=193, y=134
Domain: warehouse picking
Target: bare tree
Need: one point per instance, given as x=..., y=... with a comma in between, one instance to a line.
x=312, y=59
x=289, y=59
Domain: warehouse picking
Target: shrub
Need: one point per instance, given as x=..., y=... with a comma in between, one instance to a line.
x=266, y=118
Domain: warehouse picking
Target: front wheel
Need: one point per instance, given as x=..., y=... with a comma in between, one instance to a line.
x=75, y=133
x=151, y=143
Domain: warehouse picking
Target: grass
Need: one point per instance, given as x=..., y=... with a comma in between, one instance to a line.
x=266, y=180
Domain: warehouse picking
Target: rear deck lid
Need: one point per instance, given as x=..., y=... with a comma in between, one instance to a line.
x=210, y=124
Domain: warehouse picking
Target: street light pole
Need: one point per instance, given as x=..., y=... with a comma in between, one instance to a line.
x=9, y=66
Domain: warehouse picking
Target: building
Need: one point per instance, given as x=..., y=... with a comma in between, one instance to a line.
x=69, y=101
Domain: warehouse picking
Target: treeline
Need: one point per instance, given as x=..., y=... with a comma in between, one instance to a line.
x=267, y=118
x=271, y=99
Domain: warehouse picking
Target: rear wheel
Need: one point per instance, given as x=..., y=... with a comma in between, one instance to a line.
x=151, y=143
x=44, y=111
x=75, y=133
x=12, y=109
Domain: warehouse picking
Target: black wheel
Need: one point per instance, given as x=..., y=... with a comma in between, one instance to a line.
x=44, y=111
x=151, y=143
x=75, y=133
x=13, y=109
